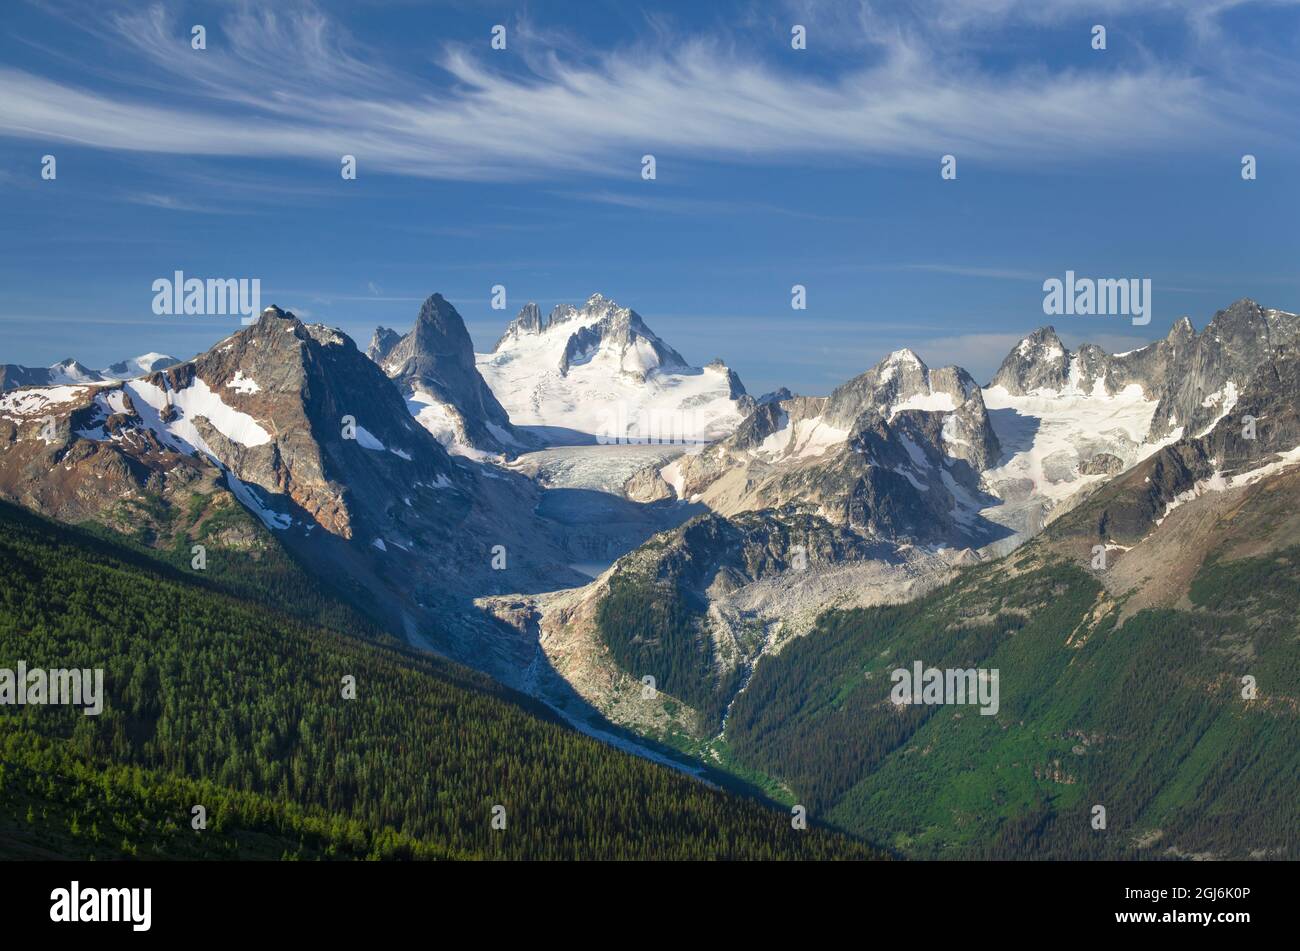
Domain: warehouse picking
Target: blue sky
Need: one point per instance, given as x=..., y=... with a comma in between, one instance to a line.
x=522, y=167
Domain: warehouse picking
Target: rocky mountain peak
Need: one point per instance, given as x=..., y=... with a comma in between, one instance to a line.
x=1044, y=338
x=900, y=381
x=382, y=342
x=735, y=389
x=619, y=332
x=905, y=356
x=528, y=322
x=1181, y=332
x=439, y=334
x=1242, y=316
x=596, y=308
x=775, y=396
x=530, y=317
x=74, y=369
x=282, y=332
x=438, y=313
x=1242, y=305
x=1039, y=362
x=329, y=429
x=435, y=370
x=905, y=370
x=1208, y=370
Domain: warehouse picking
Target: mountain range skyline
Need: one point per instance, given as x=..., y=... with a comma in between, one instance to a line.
x=522, y=167
x=980, y=354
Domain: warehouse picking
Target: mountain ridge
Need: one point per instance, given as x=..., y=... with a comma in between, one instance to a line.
x=71, y=372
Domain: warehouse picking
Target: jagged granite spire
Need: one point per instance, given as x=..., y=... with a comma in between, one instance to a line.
x=434, y=367
x=528, y=321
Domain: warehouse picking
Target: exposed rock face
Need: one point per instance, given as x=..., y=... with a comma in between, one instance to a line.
x=739, y=587
x=301, y=383
x=902, y=384
x=267, y=407
x=382, y=342
x=647, y=485
x=1039, y=362
x=46, y=465
x=1103, y=463
x=434, y=367
x=705, y=560
x=319, y=444
x=1259, y=437
x=775, y=396
x=1192, y=376
x=528, y=322
x=908, y=453
x=1232, y=347
x=831, y=462
x=896, y=453
x=691, y=475
x=710, y=552
x=313, y=439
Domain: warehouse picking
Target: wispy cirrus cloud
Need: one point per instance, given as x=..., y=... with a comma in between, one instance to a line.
x=844, y=21
x=167, y=202
x=294, y=84
x=964, y=270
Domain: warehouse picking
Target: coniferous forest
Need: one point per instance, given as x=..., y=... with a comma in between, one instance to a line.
x=219, y=702
x=1144, y=717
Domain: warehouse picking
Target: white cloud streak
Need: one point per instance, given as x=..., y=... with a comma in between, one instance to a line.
x=293, y=84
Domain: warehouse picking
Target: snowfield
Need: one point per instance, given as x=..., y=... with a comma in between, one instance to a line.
x=1047, y=435
x=194, y=401
x=609, y=394
x=444, y=424
x=930, y=402
x=32, y=401
x=1225, y=399
x=243, y=384
x=368, y=440
x=808, y=438
x=690, y=405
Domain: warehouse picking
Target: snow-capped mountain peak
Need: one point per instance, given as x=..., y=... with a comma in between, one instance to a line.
x=906, y=355
x=599, y=370
x=901, y=382
x=1039, y=362
x=72, y=372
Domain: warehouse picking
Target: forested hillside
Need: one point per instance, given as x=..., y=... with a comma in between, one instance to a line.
x=1142, y=715
x=220, y=702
